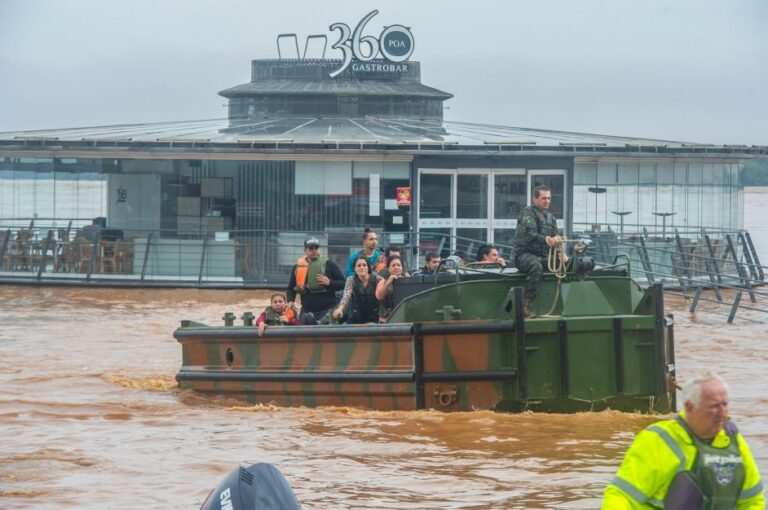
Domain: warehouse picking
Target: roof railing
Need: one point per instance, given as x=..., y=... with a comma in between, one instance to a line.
x=339, y=143
x=509, y=142
x=430, y=143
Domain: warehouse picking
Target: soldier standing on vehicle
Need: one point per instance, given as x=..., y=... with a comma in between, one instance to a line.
x=536, y=234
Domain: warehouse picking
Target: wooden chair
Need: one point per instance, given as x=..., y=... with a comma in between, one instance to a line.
x=72, y=256
x=18, y=254
x=83, y=254
x=62, y=257
x=10, y=256
x=125, y=256
x=61, y=251
x=37, y=252
x=244, y=255
x=110, y=255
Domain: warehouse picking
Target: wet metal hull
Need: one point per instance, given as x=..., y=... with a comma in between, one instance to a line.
x=553, y=364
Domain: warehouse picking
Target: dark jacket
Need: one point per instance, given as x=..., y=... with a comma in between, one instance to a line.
x=533, y=227
x=363, y=305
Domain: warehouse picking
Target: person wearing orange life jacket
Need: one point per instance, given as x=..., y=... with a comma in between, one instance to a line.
x=316, y=279
x=278, y=313
x=697, y=460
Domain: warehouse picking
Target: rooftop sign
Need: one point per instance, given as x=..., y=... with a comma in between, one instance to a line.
x=395, y=44
x=364, y=53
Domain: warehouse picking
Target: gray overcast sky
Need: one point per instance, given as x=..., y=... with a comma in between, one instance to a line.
x=689, y=70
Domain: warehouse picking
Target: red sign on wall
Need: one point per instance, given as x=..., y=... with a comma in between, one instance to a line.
x=404, y=196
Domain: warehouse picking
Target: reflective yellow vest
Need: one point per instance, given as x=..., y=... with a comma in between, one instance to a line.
x=658, y=453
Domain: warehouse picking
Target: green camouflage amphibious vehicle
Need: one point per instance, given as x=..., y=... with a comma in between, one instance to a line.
x=457, y=341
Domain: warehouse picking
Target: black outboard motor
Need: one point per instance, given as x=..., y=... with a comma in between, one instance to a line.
x=257, y=487
x=580, y=264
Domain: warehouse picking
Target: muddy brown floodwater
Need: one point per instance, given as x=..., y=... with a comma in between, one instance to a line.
x=90, y=417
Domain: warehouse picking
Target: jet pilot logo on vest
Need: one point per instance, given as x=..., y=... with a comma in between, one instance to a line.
x=723, y=466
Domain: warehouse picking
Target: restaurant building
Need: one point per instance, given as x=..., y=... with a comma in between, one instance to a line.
x=327, y=146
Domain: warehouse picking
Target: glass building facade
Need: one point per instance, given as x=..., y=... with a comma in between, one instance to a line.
x=184, y=195
x=690, y=194
x=235, y=214
x=245, y=218
x=319, y=195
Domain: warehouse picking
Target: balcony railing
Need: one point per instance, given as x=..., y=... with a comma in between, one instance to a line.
x=43, y=251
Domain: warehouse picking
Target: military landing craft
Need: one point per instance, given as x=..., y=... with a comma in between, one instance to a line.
x=458, y=341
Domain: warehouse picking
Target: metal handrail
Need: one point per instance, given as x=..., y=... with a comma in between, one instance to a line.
x=263, y=258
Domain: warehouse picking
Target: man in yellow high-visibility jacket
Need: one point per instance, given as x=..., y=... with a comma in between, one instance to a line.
x=697, y=460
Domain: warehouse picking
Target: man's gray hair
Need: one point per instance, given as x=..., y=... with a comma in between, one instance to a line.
x=691, y=391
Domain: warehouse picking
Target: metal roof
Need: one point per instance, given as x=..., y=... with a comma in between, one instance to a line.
x=368, y=133
x=328, y=87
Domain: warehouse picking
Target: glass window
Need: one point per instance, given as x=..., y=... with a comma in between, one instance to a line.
x=504, y=237
x=627, y=173
x=628, y=196
x=509, y=196
x=435, y=196
x=435, y=240
x=738, y=171
x=323, y=178
x=647, y=173
x=604, y=194
x=557, y=184
x=581, y=198
x=585, y=173
x=606, y=174
x=467, y=240
x=709, y=173
x=665, y=173
x=397, y=170
x=681, y=173
x=472, y=196
x=695, y=173
x=51, y=191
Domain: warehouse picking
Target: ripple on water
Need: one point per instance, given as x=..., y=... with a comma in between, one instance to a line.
x=95, y=403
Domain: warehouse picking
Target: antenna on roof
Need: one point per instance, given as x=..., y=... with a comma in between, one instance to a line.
x=295, y=40
x=316, y=36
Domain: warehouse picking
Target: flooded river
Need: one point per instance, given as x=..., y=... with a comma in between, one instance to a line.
x=90, y=416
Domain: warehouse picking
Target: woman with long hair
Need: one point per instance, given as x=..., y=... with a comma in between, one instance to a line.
x=278, y=313
x=384, y=287
x=359, y=297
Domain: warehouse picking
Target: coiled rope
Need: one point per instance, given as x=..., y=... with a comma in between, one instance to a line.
x=556, y=258
x=556, y=265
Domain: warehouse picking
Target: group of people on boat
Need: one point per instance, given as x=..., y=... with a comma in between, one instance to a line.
x=366, y=285
x=366, y=288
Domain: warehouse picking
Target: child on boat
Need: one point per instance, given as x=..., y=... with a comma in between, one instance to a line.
x=277, y=314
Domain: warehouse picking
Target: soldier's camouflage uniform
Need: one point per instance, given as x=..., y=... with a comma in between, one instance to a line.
x=530, y=246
